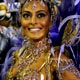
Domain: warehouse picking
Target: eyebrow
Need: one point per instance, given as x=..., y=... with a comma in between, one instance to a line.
x=36, y=11
x=27, y=12
x=41, y=11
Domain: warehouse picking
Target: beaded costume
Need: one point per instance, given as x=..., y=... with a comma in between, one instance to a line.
x=37, y=63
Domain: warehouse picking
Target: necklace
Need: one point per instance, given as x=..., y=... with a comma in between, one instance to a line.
x=30, y=54
x=34, y=50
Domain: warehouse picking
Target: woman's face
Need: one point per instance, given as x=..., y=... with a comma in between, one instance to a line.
x=35, y=20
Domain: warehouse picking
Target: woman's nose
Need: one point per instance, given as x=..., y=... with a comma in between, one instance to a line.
x=33, y=20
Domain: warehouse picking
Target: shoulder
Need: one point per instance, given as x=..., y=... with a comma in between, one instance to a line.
x=57, y=53
x=18, y=52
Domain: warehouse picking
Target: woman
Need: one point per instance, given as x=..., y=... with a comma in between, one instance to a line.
x=37, y=59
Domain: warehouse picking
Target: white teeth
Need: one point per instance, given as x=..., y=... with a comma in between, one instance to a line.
x=35, y=29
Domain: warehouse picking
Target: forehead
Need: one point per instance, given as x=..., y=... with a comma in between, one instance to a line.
x=35, y=6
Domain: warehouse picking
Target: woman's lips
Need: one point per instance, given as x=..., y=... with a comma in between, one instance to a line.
x=34, y=29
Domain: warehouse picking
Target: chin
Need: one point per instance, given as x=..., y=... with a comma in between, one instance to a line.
x=36, y=38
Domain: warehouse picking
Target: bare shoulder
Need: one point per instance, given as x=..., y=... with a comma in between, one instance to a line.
x=66, y=67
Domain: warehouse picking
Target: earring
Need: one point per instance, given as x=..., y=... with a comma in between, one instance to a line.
x=49, y=40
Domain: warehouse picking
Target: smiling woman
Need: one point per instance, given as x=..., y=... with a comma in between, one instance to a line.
x=37, y=59
x=35, y=20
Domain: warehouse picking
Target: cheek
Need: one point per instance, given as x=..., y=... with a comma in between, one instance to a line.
x=45, y=24
x=24, y=24
x=24, y=32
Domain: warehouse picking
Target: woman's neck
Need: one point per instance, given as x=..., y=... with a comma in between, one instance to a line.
x=37, y=43
x=38, y=47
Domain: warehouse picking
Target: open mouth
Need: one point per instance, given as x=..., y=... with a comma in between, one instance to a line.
x=34, y=29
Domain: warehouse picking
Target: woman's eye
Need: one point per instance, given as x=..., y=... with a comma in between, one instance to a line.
x=26, y=15
x=41, y=15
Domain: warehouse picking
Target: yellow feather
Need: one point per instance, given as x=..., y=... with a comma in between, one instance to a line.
x=69, y=33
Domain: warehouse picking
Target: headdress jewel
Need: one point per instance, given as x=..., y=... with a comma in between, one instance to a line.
x=51, y=5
